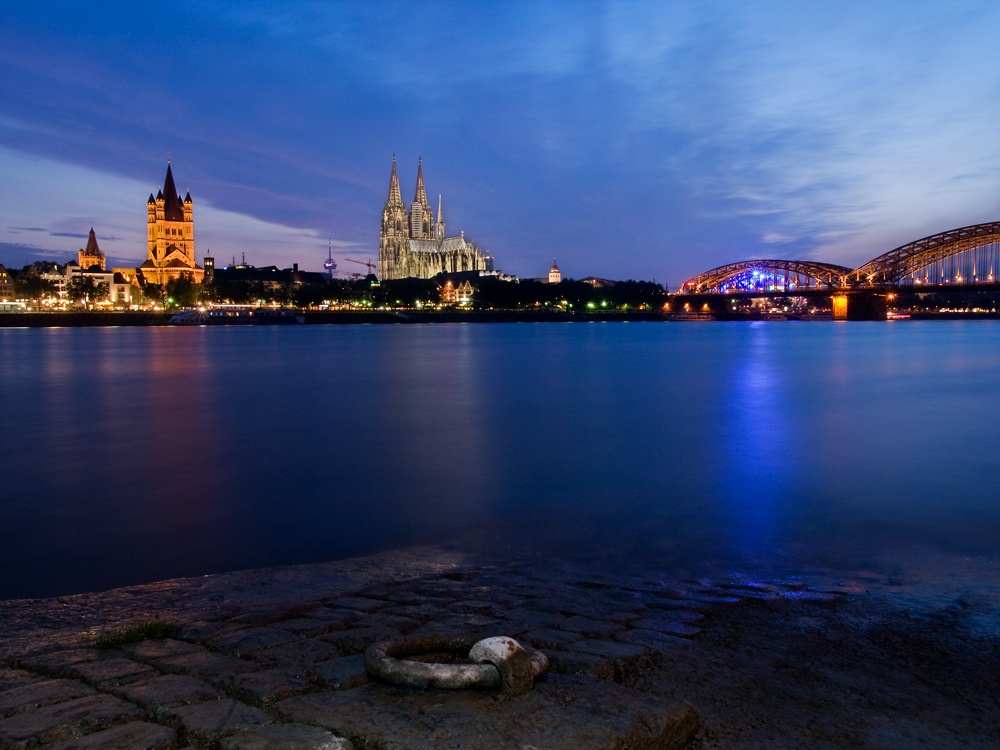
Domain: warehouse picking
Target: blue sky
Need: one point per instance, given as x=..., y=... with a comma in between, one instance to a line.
x=628, y=140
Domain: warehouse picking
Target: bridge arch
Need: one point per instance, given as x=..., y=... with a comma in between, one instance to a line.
x=767, y=275
x=905, y=263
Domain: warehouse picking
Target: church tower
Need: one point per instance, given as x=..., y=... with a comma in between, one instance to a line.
x=91, y=255
x=394, y=233
x=421, y=216
x=170, y=224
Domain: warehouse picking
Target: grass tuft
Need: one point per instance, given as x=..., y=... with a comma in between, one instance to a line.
x=133, y=632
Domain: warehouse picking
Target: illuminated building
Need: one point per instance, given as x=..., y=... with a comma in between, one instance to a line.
x=412, y=244
x=170, y=222
x=555, y=276
x=91, y=255
x=6, y=284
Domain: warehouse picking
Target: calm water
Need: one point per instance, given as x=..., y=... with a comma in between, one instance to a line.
x=136, y=454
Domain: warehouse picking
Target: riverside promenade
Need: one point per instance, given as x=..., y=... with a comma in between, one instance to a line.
x=273, y=658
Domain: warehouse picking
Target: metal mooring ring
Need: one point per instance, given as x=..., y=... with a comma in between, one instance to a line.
x=508, y=665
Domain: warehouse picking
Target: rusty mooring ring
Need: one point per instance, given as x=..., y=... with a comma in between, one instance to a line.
x=508, y=665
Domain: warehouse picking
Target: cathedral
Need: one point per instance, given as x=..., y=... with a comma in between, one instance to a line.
x=413, y=243
x=171, y=236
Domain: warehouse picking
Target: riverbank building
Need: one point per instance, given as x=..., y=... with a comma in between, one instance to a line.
x=170, y=222
x=412, y=243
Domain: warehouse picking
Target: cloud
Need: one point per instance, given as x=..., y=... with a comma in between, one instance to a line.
x=27, y=229
x=699, y=132
x=69, y=234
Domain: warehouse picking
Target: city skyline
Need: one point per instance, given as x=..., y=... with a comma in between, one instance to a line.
x=627, y=141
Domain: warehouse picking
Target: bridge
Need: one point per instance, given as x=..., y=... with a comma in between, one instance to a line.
x=963, y=258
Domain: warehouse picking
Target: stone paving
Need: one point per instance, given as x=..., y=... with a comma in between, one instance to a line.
x=294, y=678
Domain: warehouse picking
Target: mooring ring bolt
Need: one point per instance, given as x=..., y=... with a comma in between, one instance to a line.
x=499, y=662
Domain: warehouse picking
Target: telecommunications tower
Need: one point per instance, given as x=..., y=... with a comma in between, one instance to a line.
x=330, y=264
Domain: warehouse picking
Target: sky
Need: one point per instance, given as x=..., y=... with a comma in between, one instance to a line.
x=624, y=139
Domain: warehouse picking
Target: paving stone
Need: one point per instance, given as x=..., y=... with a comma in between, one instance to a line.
x=418, y=612
x=136, y=735
x=664, y=625
x=413, y=598
x=689, y=605
x=332, y=615
x=356, y=641
x=385, y=620
x=208, y=666
x=359, y=603
x=296, y=655
x=469, y=623
x=477, y=607
x=586, y=665
x=651, y=639
x=158, y=650
x=118, y=671
x=57, y=663
x=307, y=626
x=591, y=628
x=344, y=673
x=435, y=627
x=264, y=688
x=40, y=694
x=549, y=638
x=286, y=737
x=532, y=618
x=243, y=642
x=61, y=721
x=606, y=649
x=15, y=678
x=208, y=721
x=200, y=630
x=561, y=713
x=169, y=691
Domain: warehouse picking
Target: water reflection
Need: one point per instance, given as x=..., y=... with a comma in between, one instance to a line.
x=140, y=454
x=758, y=440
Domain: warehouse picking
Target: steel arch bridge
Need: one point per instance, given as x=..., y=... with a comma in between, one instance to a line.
x=893, y=268
x=768, y=276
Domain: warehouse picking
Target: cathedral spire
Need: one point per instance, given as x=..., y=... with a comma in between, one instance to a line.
x=421, y=194
x=394, y=194
x=439, y=227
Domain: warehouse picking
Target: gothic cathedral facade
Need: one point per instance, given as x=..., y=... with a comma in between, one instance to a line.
x=413, y=244
x=170, y=221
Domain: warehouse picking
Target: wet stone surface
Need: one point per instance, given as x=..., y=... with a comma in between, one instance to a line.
x=291, y=675
x=136, y=735
x=561, y=713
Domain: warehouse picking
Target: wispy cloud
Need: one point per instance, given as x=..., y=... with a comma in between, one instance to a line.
x=697, y=131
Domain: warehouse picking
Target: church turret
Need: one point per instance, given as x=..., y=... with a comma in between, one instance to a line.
x=439, y=227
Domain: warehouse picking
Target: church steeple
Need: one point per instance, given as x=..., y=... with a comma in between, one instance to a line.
x=421, y=195
x=394, y=194
x=439, y=227
x=172, y=208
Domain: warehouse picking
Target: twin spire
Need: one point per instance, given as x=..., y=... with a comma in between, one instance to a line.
x=420, y=207
x=421, y=195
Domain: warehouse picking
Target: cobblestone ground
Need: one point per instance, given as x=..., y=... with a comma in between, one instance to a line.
x=235, y=682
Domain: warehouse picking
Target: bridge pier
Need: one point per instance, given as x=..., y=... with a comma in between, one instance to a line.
x=860, y=306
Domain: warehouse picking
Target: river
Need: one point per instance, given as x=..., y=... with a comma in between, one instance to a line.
x=131, y=455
